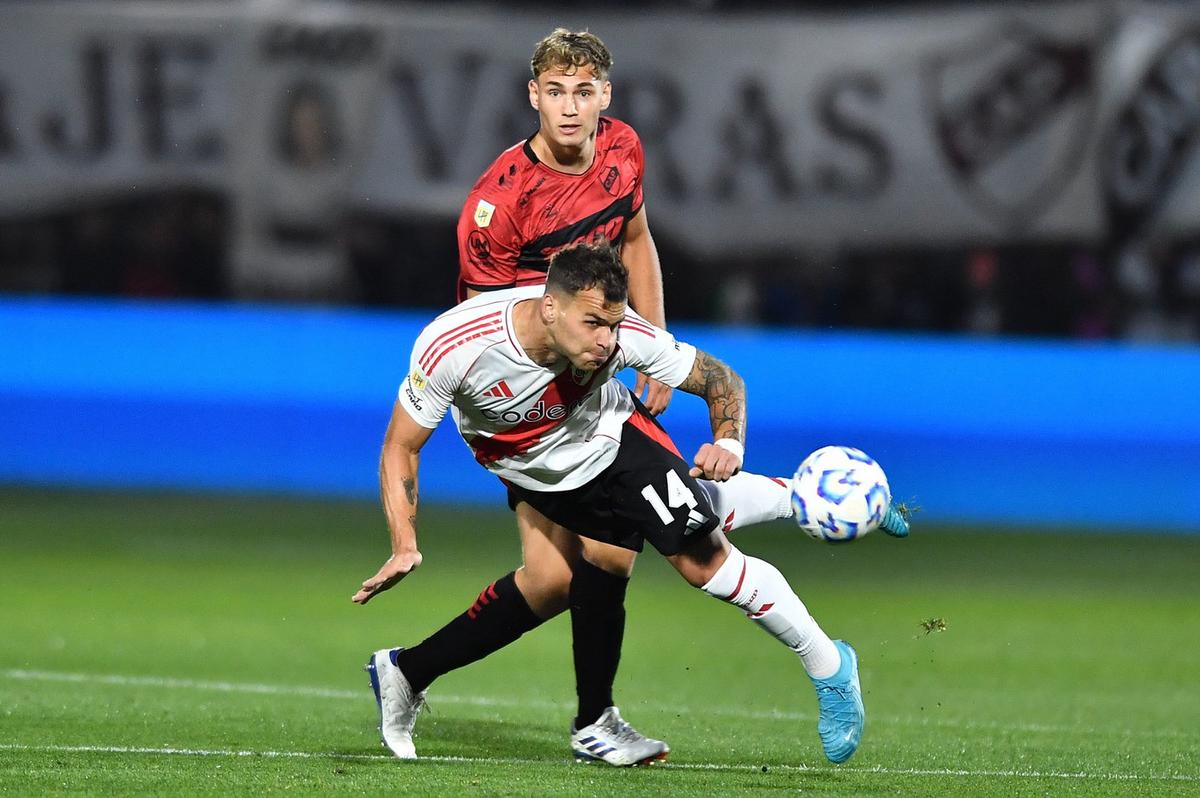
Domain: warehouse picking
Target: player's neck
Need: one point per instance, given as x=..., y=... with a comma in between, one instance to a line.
x=571, y=160
x=532, y=334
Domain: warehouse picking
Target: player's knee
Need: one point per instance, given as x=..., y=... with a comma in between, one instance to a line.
x=546, y=590
x=611, y=559
x=701, y=560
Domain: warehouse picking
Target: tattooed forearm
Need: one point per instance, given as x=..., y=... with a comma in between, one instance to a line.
x=410, y=490
x=725, y=393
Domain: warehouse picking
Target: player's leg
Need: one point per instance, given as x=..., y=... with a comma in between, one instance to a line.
x=659, y=497
x=720, y=569
x=746, y=499
x=597, y=601
x=597, y=594
x=758, y=588
x=512, y=605
x=561, y=570
x=506, y=609
x=549, y=555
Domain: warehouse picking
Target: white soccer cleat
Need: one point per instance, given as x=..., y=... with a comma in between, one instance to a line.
x=398, y=705
x=613, y=741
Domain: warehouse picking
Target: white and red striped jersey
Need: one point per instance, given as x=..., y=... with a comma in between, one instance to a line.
x=541, y=429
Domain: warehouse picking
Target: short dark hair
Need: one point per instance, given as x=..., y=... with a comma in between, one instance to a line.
x=582, y=266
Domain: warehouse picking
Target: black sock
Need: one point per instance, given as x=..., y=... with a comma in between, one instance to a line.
x=597, y=629
x=499, y=616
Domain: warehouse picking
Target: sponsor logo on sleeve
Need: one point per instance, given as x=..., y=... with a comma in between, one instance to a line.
x=411, y=395
x=483, y=213
x=478, y=246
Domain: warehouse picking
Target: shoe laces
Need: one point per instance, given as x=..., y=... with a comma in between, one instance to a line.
x=622, y=731
x=419, y=704
x=839, y=690
x=836, y=709
x=415, y=707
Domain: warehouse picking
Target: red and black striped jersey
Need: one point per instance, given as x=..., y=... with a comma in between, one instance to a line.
x=521, y=210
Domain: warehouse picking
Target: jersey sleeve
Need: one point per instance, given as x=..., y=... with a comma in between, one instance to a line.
x=488, y=245
x=428, y=390
x=654, y=351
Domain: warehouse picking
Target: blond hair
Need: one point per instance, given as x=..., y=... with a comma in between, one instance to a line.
x=570, y=51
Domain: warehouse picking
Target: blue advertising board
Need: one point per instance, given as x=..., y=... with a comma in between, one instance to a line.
x=259, y=398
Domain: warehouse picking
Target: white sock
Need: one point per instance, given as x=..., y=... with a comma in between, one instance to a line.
x=758, y=588
x=746, y=499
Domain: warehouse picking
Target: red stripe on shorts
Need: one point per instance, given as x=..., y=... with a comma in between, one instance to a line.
x=654, y=432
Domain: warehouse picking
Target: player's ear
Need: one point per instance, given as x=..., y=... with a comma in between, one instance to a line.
x=549, y=308
x=533, y=94
x=605, y=96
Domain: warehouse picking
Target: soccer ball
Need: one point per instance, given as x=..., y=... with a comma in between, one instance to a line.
x=839, y=493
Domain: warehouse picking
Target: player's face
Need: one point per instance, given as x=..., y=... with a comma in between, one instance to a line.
x=569, y=105
x=584, y=327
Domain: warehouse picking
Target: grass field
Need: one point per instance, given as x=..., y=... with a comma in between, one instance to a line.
x=207, y=645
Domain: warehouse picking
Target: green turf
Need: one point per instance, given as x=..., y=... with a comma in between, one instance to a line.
x=221, y=629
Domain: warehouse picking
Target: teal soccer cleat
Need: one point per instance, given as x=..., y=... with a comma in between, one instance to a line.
x=895, y=521
x=839, y=698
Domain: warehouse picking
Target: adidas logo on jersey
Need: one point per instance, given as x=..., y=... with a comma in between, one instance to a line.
x=500, y=391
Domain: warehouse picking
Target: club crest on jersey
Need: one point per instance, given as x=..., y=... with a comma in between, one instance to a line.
x=483, y=213
x=610, y=179
x=418, y=380
x=580, y=376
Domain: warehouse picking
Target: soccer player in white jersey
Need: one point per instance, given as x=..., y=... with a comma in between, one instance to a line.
x=528, y=377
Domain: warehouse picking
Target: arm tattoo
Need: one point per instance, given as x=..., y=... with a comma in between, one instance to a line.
x=410, y=490
x=725, y=393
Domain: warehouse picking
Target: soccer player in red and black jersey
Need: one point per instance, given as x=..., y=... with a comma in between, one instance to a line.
x=524, y=208
x=578, y=178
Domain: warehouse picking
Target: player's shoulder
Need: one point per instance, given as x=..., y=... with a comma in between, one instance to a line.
x=618, y=134
x=504, y=176
x=489, y=300
x=635, y=323
x=486, y=306
x=457, y=334
x=455, y=339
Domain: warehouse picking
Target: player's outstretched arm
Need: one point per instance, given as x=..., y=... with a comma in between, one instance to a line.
x=398, y=464
x=725, y=393
x=640, y=256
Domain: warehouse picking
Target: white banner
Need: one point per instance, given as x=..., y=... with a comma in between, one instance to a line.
x=1066, y=120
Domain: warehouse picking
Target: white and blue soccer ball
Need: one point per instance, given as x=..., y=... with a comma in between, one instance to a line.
x=839, y=493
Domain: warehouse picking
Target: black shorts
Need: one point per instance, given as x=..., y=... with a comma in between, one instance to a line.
x=645, y=494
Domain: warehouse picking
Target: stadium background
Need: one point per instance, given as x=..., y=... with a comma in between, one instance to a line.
x=961, y=236
x=964, y=236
